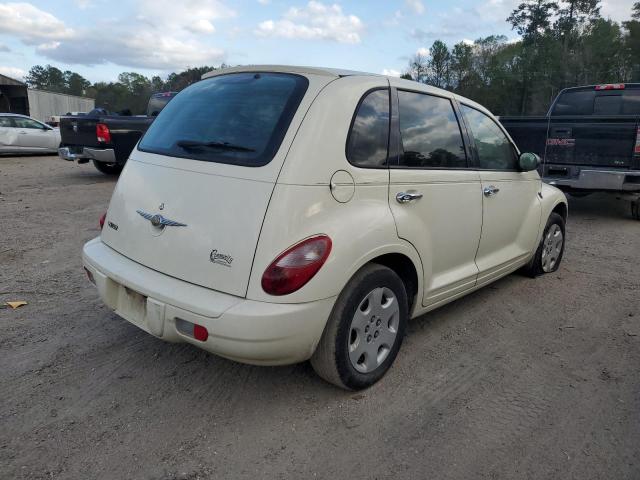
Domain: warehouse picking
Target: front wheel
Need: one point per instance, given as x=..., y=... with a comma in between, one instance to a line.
x=551, y=248
x=108, y=168
x=365, y=330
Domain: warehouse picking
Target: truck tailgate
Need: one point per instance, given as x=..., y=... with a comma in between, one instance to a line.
x=80, y=130
x=593, y=141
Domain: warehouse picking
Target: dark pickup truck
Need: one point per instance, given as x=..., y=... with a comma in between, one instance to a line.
x=589, y=141
x=106, y=139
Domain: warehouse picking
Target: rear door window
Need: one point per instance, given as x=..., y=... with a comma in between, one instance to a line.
x=238, y=119
x=6, y=122
x=430, y=133
x=495, y=151
x=369, y=135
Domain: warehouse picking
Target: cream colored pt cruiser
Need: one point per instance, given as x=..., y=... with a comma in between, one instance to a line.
x=273, y=215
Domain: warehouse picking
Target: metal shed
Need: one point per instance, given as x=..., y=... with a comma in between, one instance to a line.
x=15, y=97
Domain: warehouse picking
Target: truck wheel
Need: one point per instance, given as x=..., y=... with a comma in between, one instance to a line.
x=108, y=168
x=365, y=329
x=635, y=209
x=550, y=250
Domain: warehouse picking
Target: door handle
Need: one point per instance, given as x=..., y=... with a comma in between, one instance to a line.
x=23, y=133
x=406, y=197
x=490, y=191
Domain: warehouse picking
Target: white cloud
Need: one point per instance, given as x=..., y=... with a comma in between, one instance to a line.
x=264, y=2
x=171, y=16
x=30, y=24
x=466, y=41
x=618, y=10
x=15, y=73
x=161, y=34
x=83, y=4
x=316, y=21
x=423, y=52
x=415, y=6
x=391, y=72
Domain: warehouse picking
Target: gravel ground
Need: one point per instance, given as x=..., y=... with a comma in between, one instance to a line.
x=524, y=379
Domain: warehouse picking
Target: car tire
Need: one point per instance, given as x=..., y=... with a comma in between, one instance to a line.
x=365, y=329
x=550, y=250
x=108, y=168
x=635, y=210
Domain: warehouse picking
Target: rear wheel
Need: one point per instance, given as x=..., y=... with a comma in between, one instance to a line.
x=365, y=330
x=549, y=253
x=108, y=168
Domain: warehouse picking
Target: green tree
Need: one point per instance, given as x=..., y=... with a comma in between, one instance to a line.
x=438, y=64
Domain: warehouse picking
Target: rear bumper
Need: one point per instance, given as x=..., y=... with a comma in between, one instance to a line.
x=244, y=330
x=105, y=155
x=581, y=178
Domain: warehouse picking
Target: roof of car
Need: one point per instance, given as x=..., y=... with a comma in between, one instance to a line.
x=7, y=114
x=329, y=72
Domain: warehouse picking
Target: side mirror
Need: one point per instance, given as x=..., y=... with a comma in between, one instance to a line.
x=529, y=161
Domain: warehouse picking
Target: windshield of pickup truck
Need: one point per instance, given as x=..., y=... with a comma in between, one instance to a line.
x=250, y=112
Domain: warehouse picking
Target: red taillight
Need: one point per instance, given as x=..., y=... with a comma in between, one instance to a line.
x=200, y=332
x=292, y=269
x=611, y=86
x=636, y=149
x=103, y=217
x=103, y=133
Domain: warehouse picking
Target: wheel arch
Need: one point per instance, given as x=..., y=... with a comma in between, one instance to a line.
x=404, y=267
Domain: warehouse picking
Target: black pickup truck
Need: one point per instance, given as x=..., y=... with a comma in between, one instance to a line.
x=104, y=138
x=589, y=141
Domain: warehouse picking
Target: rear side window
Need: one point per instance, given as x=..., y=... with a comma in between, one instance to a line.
x=575, y=102
x=430, y=132
x=5, y=122
x=238, y=119
x=495, y=151
x=369, y=136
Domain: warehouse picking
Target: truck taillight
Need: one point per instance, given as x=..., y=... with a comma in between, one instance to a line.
x=636, y=149
x=611, y=86
x=103, y=133
x=293, y=268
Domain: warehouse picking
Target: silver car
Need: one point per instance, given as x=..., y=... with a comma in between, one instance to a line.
x=22, y=134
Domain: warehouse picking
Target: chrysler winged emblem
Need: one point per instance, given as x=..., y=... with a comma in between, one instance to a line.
x=159, y=221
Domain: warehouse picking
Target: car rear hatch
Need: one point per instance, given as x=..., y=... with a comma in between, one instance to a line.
x=192, y=198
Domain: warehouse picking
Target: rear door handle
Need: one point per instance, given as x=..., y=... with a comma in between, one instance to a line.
x=406, y=197
x=490, y=191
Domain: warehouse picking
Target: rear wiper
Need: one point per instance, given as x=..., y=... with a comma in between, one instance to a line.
x=188, y=144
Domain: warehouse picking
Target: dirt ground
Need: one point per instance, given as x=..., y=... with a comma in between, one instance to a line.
x=524, y=379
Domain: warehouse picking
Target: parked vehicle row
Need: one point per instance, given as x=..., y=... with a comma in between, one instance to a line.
x=22, y=134
x=106, y=139
x=589, y=140
x=273, y=215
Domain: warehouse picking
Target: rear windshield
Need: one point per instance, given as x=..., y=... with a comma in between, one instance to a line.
x=592, y=102
x=157, y=103
x=239, y=119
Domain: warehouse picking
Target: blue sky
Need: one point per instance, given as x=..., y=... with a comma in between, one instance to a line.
x=101, y=38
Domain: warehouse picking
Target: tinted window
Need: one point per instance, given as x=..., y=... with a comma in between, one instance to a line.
x=495, y=151
x=369, y=135
x=20, y=122
x=608, y=105
x=631, y=102
x=6, y=122
x=158, y=102
x=575, y=102
x=430, y=132
x=240, y=118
